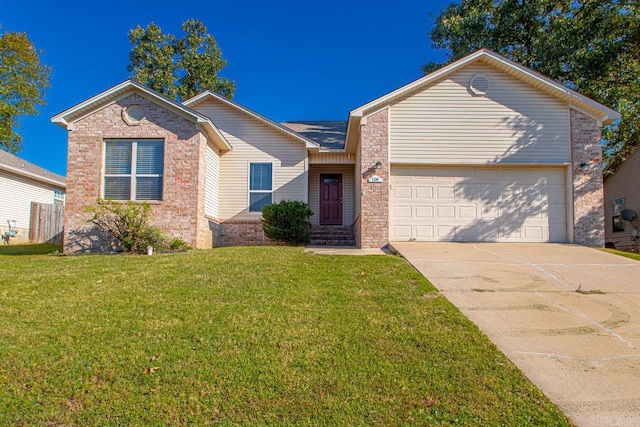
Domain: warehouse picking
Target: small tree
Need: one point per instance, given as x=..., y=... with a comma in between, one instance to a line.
x=287, y=221
x=128, y=223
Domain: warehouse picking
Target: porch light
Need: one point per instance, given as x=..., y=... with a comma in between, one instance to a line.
x=378, y=164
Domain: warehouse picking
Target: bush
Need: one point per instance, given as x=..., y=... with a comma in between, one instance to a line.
x=128, y=223
x=287, y=221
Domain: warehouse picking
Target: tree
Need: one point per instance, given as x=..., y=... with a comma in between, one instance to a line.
x=592, y=46
x=23, y=81
x=179, y=68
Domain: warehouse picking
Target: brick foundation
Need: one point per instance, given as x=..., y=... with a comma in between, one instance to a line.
x=372, y=229
x=242, y=233
x=586, y=166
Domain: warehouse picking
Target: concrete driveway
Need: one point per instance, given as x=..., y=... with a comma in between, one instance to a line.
x=567, y=315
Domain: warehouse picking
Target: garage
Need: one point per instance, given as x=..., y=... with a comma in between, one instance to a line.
x=490, y=204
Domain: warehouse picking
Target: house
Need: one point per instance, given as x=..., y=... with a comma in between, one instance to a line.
x=622, y=191
x=22, y=183
x=483, y=149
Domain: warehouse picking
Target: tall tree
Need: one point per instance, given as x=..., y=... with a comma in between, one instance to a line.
x=23, y=81
x=592, y=46
x=178, y=67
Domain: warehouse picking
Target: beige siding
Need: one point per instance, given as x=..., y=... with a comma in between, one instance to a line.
x=254, y=141
x=331, y=158
x=513, y=123
x=347, y=191
x=212, y=186
x=625, y=183
x=17, y=194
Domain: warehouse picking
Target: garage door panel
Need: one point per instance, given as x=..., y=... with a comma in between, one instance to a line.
x=445, y=212
x=478, y=204
x=423, y=192
x=402, y=212
x=467, y=212
x=424, y=232
x=445, y=232
x=445, y=193
x=536, y=233
x=424, y=212
x=402, y=192
x=402, y=232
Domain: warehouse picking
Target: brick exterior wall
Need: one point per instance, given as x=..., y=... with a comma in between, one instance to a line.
x=242, y=233
x=372, y=230
x=180, y=214
x=588, y=198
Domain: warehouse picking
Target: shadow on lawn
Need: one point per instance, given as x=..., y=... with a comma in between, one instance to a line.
x=29, y=249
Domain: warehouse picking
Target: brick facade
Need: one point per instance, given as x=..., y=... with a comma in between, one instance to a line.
x=240, y=233
x=586, y=166
x=372, y=229
x=181, y=212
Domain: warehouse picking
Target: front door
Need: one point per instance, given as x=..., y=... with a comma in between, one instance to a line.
x=330, y=199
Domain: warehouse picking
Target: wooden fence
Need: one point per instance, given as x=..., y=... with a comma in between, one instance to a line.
x=47, y=223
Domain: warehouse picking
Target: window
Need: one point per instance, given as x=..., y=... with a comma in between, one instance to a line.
x=133, y=170
x=617, y=205
x=58, y=197
x=260, y=186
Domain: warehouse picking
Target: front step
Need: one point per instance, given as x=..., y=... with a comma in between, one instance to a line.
x=332, y=235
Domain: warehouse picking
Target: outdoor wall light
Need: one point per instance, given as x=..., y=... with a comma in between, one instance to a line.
x=378, y=164
x=584, y=166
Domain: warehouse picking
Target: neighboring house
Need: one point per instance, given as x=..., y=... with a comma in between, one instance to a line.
x=622, y=191
x=483, y=149
x=22, y=183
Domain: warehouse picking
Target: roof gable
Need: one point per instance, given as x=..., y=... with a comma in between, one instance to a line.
x=603, y=114
x=204, y=96
x=67, y=118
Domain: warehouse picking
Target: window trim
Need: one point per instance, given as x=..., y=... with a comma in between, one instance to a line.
x=250, y=191
x=133, y=176
x=617, y=224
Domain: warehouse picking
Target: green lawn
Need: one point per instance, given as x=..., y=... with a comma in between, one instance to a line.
x=631, y=255
x=249, y=336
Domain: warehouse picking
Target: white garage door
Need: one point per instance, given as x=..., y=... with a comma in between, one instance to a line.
x=478, y=204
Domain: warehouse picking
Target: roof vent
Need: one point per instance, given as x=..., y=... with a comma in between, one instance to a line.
x=479, y=84
x=133, y=114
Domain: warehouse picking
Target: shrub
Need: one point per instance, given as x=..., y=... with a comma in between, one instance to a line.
x=287, y=221
x=128, y=223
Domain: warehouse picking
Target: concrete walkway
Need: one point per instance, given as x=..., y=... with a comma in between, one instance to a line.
x=568, y=316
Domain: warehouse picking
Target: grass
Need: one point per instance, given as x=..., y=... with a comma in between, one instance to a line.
x=246, y=336
x=631, y=255
x=29, y=249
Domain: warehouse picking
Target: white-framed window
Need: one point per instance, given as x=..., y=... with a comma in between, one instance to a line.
x=133, y=169
x=58, y=197
x=260, y=186
x=617, y=205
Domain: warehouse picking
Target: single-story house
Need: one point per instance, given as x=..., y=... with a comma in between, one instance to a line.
x=483, y=149
x=22, y=183
x=622, y=191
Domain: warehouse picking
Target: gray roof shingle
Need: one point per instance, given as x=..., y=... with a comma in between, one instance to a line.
x=15, y=162
x=329, y=134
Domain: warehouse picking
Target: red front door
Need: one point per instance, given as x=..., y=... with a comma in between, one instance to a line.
x=330, y=199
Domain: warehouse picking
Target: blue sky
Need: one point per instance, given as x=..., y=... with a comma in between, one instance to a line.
x=292, y=60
